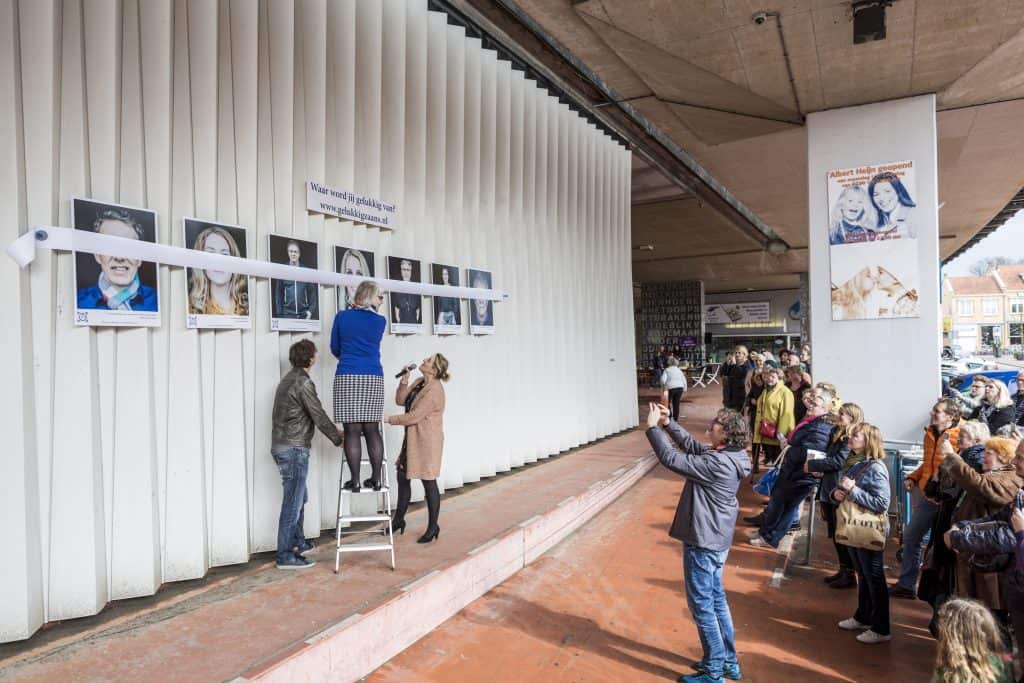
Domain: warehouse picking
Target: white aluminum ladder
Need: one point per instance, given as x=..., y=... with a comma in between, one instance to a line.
x=381, y=515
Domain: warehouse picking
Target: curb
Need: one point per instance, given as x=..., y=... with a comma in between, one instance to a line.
x=359, y=644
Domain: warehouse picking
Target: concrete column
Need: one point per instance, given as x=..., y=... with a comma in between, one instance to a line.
x=888, y=365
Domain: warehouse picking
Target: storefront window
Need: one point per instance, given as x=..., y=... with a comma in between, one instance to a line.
x=1016, y=334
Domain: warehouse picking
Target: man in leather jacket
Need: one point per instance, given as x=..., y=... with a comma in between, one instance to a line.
x=297, y=413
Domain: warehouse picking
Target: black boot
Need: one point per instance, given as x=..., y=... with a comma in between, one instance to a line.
x=847, y=579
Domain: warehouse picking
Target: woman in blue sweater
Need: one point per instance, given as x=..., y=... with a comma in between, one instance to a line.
x=359, y=381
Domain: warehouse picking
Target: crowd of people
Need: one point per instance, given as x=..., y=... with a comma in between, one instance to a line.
x=967, y=503
x=359, y=409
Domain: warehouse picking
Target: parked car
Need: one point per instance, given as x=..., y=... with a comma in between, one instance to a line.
x=952, y=352
x=1007, y=377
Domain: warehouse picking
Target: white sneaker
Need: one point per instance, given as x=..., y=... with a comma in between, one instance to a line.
x=852, y=624
x=871, y=638
x=759, y=542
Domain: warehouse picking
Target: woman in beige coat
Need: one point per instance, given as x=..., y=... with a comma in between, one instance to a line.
x=424, y=440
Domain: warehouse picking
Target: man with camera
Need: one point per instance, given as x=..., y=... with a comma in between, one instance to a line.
x=704, y=522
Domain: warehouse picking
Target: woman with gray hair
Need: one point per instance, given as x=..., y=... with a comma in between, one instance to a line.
x=673, y=379
x=359, y=381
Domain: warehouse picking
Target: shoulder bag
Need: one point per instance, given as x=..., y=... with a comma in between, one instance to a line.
x=858, y=527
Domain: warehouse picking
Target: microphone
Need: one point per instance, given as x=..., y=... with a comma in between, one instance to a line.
x=408, y=368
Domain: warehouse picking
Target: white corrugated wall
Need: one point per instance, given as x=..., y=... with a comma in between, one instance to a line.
x=138, y=456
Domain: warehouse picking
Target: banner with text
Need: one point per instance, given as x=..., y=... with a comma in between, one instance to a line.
x=350, y=206
x=738, y=312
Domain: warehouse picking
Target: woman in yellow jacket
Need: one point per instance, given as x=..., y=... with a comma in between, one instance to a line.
x=774, y=415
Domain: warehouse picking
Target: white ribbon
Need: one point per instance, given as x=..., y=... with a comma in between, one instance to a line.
x=23, y=251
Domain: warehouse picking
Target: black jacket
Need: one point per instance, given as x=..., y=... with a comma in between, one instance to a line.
x=813, y=435
x=831, y=465
x=297, y=412
x=734, y=385
x=706, y=513
x=996, y=419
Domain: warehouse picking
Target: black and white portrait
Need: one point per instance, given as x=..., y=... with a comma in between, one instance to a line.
x=351, y=261
x=294, y=305
x=217, y=299
x=406, y=310
x=115, y=290
x=447, y=309
x=481, y=311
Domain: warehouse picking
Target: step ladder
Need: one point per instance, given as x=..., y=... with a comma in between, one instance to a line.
x=381, y=515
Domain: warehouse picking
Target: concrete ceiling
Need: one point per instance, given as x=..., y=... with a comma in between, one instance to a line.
x=716, y=84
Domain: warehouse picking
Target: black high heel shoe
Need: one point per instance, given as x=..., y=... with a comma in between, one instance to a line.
x=430, y=535
x=351, y=485
x=398, y=526
x=371, y=484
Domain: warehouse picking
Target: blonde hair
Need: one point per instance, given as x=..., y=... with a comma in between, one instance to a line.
x=968, y=638
x=874, y=448
x=856, y=414
x=441, y=367
x=366, y=292
x=975, y=430
x=1003, y=396
x=199, y=284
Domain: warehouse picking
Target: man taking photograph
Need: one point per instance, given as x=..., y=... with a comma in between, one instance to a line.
x=704, y=522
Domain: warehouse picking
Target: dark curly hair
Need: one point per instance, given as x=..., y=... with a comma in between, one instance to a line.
x=735, y=427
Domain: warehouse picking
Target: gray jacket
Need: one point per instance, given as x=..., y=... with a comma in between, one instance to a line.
x=706, y=514
x=297, y=409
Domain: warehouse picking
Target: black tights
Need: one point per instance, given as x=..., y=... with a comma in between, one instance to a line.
x=431, y=493
x=354, y=449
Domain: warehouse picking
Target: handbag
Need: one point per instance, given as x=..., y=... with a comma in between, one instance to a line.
x=767, y=428
x=767, y=482
x=858, y=527
x=984, y=563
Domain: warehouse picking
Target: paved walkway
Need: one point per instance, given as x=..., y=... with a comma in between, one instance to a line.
x=608, y=605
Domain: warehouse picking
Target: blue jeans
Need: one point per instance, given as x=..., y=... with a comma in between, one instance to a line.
x=782, y=512
x=921, y=520
x=293, y=464
x=705, y=595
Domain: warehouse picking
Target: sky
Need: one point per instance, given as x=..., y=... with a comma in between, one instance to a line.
x=1008, y=241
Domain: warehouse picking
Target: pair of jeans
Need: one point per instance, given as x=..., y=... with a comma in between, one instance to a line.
x=782, y=512
x=673, y=397
x=921, y=520
x=872, y=590
x=705, y=596
x=293, y=465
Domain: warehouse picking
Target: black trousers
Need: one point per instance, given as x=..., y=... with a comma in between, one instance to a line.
x=673, y=398
x=842, y=551
x=872, y=590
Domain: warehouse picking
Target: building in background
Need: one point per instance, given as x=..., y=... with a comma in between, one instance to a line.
x=977, y=311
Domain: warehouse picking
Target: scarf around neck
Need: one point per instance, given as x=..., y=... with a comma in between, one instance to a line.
x=118, y=300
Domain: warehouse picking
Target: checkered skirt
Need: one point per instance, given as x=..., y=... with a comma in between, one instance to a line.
x=358, y=398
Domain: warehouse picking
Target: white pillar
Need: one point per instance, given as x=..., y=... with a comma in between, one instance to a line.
x=889, y=365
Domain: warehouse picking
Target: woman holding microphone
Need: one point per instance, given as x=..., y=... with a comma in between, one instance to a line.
x=424, y=440
x=359, y=382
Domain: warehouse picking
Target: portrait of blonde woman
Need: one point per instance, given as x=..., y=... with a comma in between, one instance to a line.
x=216, y=292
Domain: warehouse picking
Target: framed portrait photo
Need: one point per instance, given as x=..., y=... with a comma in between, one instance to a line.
x=216, y=299
x=447, y=309
x=115, y=291
x=481, y=311
x=405, y=310
x=294, y=305
x=351, y=261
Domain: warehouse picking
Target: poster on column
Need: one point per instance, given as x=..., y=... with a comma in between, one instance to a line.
x=216, y=299
x=294, y=305
x=481, y=311
x=447, y=309
x=873, y=244
x=406, y=310
x=111, y=290
x=351, y=261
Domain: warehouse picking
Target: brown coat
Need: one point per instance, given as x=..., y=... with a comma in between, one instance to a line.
x=424, y=429
x=984, y=494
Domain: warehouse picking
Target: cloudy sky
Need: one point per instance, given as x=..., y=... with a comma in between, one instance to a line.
x=1006, y=241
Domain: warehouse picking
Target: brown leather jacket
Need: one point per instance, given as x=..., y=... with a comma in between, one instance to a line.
x=297, y=412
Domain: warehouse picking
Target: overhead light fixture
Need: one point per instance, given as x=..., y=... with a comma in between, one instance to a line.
x=644, y=247
x=776, y=247
x=869, y=20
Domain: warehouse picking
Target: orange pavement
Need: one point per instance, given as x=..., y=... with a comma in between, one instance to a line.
x=607, y=604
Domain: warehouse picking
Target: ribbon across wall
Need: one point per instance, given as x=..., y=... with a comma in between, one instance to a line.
x=23, y=251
